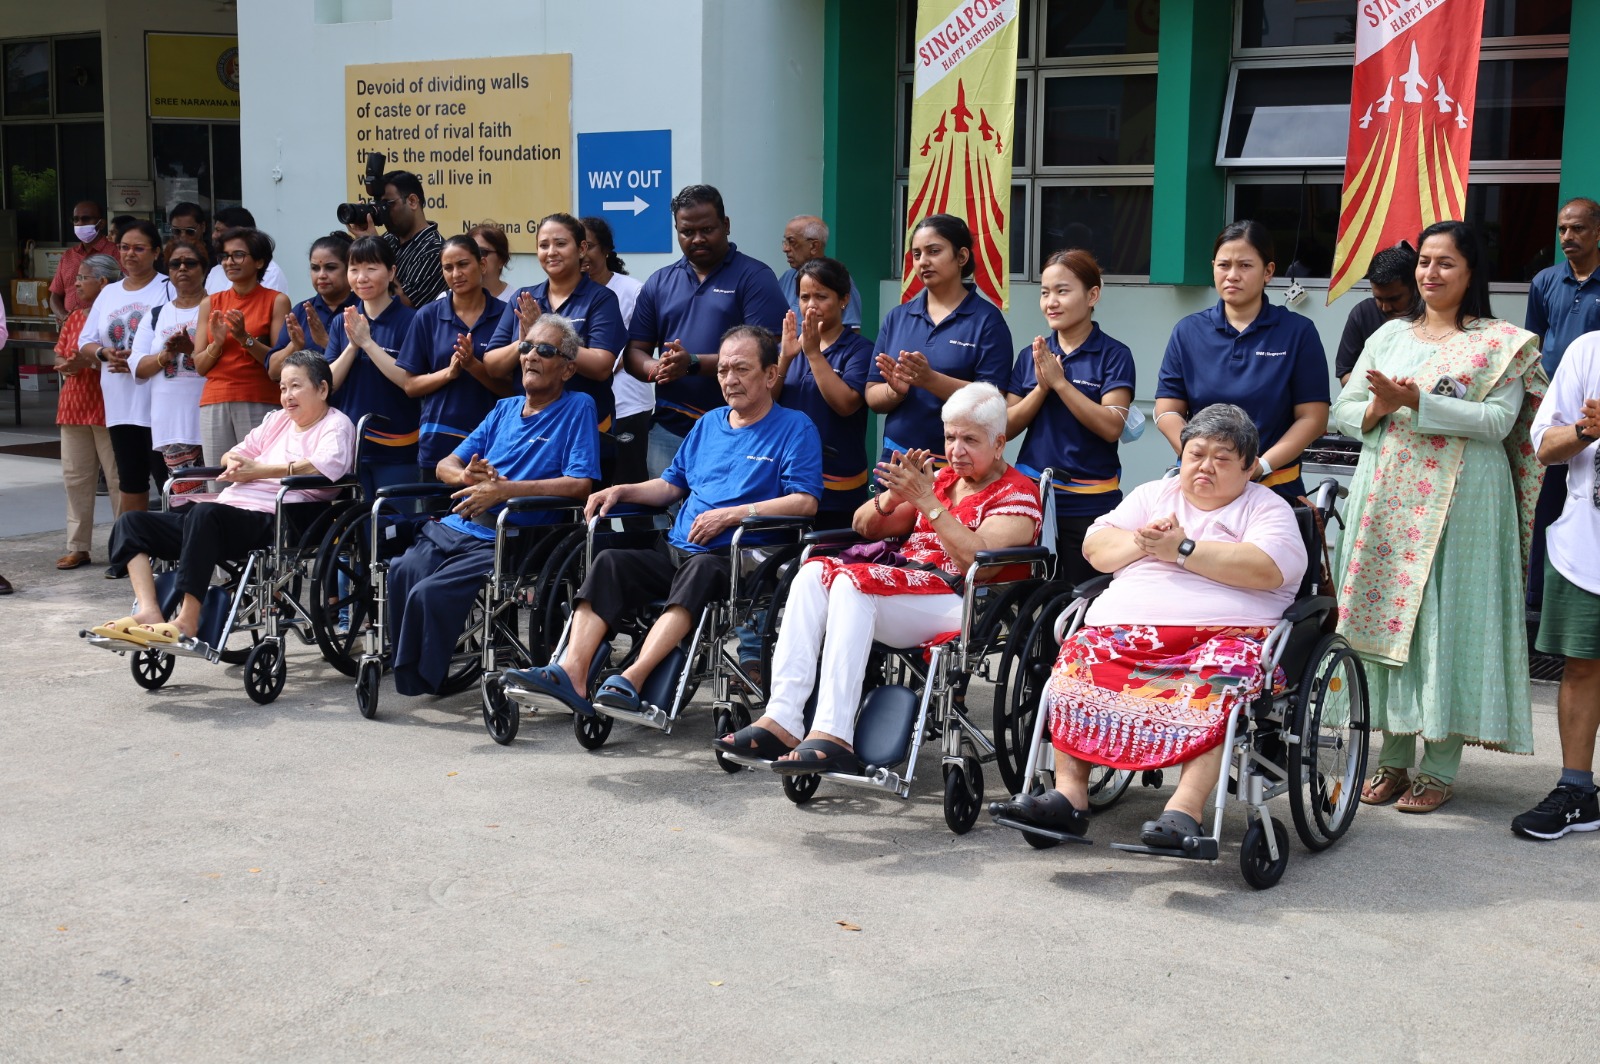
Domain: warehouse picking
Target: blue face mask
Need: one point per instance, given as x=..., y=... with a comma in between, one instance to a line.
x=1132, y=422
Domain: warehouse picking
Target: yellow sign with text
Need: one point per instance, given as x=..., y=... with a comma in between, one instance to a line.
x=192, y=75
x=491, y=139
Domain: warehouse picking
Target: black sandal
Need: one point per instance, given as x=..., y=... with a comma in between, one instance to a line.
x=1169, y=831
x=835, y=758
x=1051, y=809
x=753, y=741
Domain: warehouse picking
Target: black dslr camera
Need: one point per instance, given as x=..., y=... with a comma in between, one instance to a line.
x=377, y=210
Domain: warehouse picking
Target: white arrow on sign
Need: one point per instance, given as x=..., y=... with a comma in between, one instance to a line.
x=636, y=205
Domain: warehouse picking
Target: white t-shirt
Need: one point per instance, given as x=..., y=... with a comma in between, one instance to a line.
x=175, y=390
x=631, y=395
x=113, y=321
x=1572, y=538
x=217, y=281
x=1151, y=591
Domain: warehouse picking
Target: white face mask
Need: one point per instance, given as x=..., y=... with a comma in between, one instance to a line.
x=85, y=233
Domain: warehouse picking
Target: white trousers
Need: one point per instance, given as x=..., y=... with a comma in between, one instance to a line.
x=852, y=621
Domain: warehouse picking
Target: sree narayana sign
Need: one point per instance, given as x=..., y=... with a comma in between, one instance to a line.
x=491, y=139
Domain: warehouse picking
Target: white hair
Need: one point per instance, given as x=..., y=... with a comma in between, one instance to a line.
x=812, y=227
x=979, y=404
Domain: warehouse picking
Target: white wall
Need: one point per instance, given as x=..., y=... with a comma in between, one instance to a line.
x=712, y=71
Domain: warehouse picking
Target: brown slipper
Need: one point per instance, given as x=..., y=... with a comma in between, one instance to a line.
x=1385, y=786
x=1425, y=795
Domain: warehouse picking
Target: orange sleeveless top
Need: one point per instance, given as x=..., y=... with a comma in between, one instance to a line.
x=240, y=376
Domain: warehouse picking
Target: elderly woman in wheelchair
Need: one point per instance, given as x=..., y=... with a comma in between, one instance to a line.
x=900, y=598
x=1205, y=564
x=307, y=437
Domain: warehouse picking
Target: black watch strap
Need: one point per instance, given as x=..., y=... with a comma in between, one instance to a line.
x=1582, y=435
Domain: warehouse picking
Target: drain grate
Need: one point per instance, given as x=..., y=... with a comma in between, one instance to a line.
x=1545, y=668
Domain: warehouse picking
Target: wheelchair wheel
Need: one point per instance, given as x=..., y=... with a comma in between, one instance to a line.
x=501, y=716
x=963, y=795
x=466, y=661
x=1107, y=785
x=799, y=789
x=151, y=668
x=367, y=681
x=247, y=612
x=730, y=720
x=592, y=730
x=264, y=672
x=1255, y=860
x=341, y=584
x=554, y=583
x=1328, y=758
x=1025, y=665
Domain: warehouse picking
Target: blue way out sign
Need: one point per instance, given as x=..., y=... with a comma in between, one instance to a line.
x=626, y=178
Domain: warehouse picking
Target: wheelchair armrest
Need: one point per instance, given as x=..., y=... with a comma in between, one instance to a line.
x=412, y=491
x=631, y=509
x=832, y=537
x=1092, y=587
x=530, y=503
x=307, y=481
x=766, y=522
x=1010, y=556
x=196, y=472
x=1307, y=608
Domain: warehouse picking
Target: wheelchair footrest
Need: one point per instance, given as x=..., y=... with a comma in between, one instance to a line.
x=747, y=762
x=1203, y=848
x=173, y=650
x=648, y=715
x=1034, y=829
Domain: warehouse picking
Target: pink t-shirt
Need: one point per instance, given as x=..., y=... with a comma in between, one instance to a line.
x=1151, y=591
x=329, y=446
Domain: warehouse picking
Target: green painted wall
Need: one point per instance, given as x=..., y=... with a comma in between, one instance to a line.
x=1580, y=149
x=1191, y=87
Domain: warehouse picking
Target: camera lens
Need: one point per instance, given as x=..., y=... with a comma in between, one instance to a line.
x=354, y=213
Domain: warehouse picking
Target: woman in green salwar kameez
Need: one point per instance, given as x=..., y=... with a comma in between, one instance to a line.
x=1432, y=563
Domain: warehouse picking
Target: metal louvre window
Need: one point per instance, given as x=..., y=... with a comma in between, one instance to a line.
x=1083, y=156
x=1288, y=112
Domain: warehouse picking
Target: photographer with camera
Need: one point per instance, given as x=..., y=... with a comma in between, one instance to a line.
x=397, y=205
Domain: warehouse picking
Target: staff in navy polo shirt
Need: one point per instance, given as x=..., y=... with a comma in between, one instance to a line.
x=1072, y=392
x=684, y=310
x=1563, y=304
x=592, y=308
x=306, y=326
x=444, y=352
x=944, y=337
x=363, y=343
x=1248, y=352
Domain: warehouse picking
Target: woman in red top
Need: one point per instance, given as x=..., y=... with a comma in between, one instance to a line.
x=233, y=342
x=977, y=503
x=81, y=413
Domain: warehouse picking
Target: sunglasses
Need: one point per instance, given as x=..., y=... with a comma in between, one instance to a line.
x=183, y=264
x=183, y=230
x=546, y=351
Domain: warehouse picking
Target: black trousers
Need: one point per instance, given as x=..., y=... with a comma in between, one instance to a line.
x=197, y=537
x=621, y=579
x=1552, y=500
x=1069, y=549
x=137, y=462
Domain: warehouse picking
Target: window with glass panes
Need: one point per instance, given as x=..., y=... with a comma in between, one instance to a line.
x=1083, y=160
x=52, y=132
x=1288, y=114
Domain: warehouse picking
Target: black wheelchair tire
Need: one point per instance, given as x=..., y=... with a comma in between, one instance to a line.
x=800, y=789
x=1334, y=663
x=369, y=677
x=151, y=668
x=557, y=584
x=346, y=548
x=264, y=672
x=1025, y=665
x=729, y=720
x=1255, y=860
x=963, y=795
x=591, y=729
x=501, y=716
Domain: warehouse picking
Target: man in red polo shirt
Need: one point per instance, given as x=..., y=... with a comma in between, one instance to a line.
x=89, y=226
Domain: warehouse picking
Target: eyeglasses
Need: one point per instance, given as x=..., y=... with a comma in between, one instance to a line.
x=134, y=249
x=183, y=230
x=546, y=351
x=183, y=264
x=234, y=256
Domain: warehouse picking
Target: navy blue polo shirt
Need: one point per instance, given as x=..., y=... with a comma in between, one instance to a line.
x=844, y=439
x=675, y=304
x=789, y=283
x=972, y=343
x=367, y=391
x=1560, y=310
x=596, y=313
x=1087, y=469
x=1268, y=369
x=449, y=414
x=324, y=312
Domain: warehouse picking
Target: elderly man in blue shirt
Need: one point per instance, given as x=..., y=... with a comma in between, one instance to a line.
x=750, y=458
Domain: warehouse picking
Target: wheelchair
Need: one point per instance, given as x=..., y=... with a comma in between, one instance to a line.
x=757, y=579
x=531, y=573
x=261, y=596
x=894, y=721
x=1307, y=738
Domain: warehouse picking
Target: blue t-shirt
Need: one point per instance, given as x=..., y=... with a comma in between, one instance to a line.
x=451, y=412
x=675, y=304
x=1560, y=310
x=559, y=441
x=324, y=312
x=972, y=343
x=844, y=439
x=723, y=466
x=1275, y=364
x=1087, y=470
x=367, y=391
x=789, y=284
x=595, y=312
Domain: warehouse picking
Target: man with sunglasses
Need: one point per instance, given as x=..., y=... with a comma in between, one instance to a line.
x=89, y=226
x=543, y=442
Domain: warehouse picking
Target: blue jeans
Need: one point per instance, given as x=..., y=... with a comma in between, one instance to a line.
x=663, y=448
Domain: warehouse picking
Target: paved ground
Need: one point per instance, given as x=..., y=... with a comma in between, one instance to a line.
x=187, y=876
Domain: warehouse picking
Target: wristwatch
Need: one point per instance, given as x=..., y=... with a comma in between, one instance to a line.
x=248, y=342
x=935, y=513
x=1582, y=435
x=694, y=366
x=753, y=511
x=1185, y=549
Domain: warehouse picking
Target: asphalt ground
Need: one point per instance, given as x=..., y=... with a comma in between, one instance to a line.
x=188, y=876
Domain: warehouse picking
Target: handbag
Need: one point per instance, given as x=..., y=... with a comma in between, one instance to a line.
x=882, y=552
